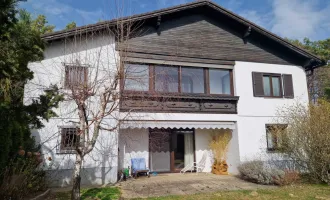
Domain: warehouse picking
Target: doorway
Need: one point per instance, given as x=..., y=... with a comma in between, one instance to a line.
x=182, y=148
x=170, y=150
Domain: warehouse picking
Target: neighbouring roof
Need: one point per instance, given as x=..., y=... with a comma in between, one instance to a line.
x=313, y=61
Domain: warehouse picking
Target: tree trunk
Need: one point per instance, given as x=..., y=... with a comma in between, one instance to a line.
x=75, y=193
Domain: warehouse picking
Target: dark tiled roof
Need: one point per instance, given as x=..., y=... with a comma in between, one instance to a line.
x=101, y=25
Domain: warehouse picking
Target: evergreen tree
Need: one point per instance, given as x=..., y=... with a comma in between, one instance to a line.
x=20, y=43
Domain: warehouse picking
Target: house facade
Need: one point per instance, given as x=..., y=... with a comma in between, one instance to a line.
x=191, y=71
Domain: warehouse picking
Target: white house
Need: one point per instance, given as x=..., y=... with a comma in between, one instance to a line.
x=191, y=70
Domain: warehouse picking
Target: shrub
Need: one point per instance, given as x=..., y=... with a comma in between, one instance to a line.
x=23, y=176
x=256, y=172
x=289, y=178
x=306, y=139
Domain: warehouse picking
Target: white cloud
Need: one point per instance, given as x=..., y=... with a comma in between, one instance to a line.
x=60, y=13
x=255, y=17
x=298, y=19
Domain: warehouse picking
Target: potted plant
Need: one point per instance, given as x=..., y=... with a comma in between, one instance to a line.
x=219, y=145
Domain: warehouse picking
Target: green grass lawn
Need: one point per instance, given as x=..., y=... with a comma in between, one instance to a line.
x=108, y=193
x=299, y=192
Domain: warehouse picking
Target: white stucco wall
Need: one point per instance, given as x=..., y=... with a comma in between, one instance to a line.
x=99, y=55
x=255, y=112
x=133, y=143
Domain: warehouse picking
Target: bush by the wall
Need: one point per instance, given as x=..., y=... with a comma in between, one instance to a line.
x=256, y=172
x=289, y=178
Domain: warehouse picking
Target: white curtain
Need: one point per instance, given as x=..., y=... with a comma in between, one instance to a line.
x=188, y=149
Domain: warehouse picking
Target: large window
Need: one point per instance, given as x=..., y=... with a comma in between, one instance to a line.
x=219, y=81
x=192, y=80
x=166, y=79
x=177, y=79
x=136, y=77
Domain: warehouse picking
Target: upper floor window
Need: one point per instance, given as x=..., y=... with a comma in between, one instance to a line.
x=272, y=85
x=177, y=79
x=166, y=79
x=75, y=76
x=219, y=81
x=192, y=80
x=136, y=77
x=274, y=133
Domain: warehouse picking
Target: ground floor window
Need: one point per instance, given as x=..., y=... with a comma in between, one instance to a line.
x=69, y=139
x=274, y=136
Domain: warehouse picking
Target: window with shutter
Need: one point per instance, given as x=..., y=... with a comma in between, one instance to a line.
x=288, y=86
x=270, y=85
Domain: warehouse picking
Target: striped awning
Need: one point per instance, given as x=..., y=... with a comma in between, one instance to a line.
x=176, y=124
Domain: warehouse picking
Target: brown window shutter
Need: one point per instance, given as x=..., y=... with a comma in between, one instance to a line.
x=258, y=89
x=288, y=86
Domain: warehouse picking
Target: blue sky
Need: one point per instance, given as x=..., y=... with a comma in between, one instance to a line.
x=294, y=19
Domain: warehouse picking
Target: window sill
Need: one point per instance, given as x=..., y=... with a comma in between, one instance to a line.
x=66, y=152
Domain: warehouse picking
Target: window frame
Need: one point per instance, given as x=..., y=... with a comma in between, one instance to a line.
x=276, y=148
x=62, y=148
x=271, y=75
x=122, y=81
x=152, y=81
x=231, y=81
x=68, y=83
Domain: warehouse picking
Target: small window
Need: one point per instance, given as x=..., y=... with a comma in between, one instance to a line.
x=136, y=77
x=274, y=135
x=219, y=81
x=192, y=80
x=166, y=79
x=75, y=76
x=69, y=139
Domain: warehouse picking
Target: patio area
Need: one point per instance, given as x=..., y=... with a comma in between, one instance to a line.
x=182, y=184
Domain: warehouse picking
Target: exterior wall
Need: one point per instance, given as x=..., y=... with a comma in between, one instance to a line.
x=255, y=112
x=100, y=166
x=133, y=143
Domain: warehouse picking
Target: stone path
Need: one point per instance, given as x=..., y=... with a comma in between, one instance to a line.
x=181, y=184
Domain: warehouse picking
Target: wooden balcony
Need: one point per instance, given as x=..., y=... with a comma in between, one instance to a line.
x=178, y=103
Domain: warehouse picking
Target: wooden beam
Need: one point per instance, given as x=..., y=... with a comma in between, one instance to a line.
x=159, y=20
x=247, y=33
